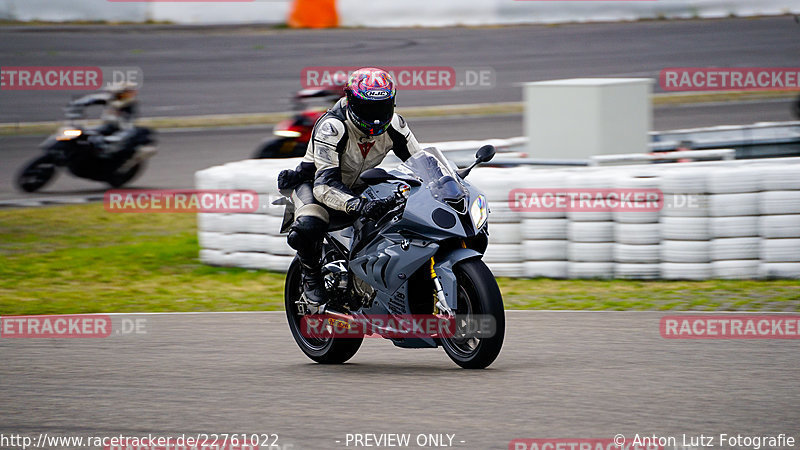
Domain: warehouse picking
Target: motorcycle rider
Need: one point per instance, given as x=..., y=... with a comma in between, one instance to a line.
x=353, y=136
x=115, y=135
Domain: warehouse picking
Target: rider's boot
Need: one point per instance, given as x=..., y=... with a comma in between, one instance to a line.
x=311, y=270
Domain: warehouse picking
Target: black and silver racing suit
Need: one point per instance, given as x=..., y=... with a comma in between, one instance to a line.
x=338, y=154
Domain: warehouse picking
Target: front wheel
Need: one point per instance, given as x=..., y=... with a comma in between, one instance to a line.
x=281, y=148
x=36, y=174
x=119, y=179
x=324, y=350
x=478, y=294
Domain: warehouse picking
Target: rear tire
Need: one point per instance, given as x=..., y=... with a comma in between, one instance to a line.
x=36, y=174
x=322, y=350
x=478, y=293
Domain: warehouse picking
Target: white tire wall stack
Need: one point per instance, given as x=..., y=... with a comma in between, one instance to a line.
x=685, y=247
x=544, y=232
x=636, y=233
x=590, y=249
x=779, y=222
x=505, y=253
x=733, y=225
x=249, y=240
x=732, y=219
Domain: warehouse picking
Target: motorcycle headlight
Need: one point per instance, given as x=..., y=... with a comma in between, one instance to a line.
x=69, y=134
x=287, y=133
x=479, y=211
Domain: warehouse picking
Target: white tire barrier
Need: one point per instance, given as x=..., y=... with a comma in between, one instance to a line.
x=532, y=229
x=505, y=233
x=590, y=270
x=685, y=228
x=783, y=226
x=211, y=240
x=685, y=271
x=733, y=204
x=780, y=202
x=687, y=180
x=735, y=248
x=779, y=177
x=637, y=271
x=735, y=269
x=546, y=269
x=685, y=251
x=779, y=270
x=590, y=251
x=726, y=220
x=590, y=216
x=212, y=257
x=685, y=205
x=499, y=212
x=590, y=231
x=637, y=233
x=734, y=180
x=643, y=254
x=503, y=253
x=510, y=270
x=727, y=227
x=649, y=214
x=780, y=250
x=545, y=250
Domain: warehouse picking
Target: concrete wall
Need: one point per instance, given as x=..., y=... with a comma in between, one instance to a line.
x=392, y=13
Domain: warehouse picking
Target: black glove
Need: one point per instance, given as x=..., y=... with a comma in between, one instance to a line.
x=371, y=209
x=289, y=179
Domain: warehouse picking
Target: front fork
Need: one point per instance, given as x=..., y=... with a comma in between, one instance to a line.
x=441, y=299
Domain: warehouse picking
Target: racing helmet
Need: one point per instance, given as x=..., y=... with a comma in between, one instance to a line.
x=370, y=100
x=122, y=94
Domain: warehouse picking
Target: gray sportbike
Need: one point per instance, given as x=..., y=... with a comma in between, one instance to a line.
x=422, y=258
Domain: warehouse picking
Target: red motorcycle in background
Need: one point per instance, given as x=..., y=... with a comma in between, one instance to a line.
x=293, y=134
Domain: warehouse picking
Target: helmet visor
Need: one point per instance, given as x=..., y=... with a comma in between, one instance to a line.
x=372, y=113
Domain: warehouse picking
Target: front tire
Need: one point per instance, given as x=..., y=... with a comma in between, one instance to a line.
x=36, y=174
x=326, y=350
x=478, y=293
x=117, y=180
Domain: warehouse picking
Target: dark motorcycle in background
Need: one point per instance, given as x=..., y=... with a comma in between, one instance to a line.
x=424, y=257
x=74, y=146
x=293, y=134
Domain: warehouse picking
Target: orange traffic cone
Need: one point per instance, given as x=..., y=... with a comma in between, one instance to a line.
x=313, y=14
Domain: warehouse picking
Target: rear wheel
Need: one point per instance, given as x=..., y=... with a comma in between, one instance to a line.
x=36, y=174
x=324, y=350
x=478, y=294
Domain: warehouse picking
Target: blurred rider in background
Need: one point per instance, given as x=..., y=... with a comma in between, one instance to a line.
x=114, y=137
x=353, y=136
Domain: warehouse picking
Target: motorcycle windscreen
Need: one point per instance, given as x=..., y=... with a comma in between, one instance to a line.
x=432, y=167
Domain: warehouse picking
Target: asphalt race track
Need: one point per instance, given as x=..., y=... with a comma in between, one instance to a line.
x=560, y=374
x=184, y=152
x=206, y=70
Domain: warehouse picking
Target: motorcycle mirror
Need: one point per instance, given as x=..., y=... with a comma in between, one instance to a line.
x=485, y=154
x=375, y=176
